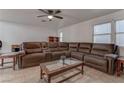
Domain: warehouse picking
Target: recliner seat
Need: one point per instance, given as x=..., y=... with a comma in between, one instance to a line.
x=83, y=49
x=33, y=54
x=97, y=57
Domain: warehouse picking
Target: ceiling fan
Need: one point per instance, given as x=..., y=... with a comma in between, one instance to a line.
x=50, y=14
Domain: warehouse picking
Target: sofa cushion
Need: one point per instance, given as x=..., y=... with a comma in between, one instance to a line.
x=73, y=46
x=52, y=45
x=62, y=49
x=58, y=53
x=31, y=45
x=84, y=47
x=63, y=46
x=102, y=49
x=96, y=60
x=101, y=68
x=77, y=55
x=32, y=59
x=30, y=51
x=67, y=53
x=53, y=49
x=34, y=56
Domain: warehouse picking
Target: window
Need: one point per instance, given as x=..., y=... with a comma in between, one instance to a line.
x=61, y=36
x=120, y=33
x=102, y=33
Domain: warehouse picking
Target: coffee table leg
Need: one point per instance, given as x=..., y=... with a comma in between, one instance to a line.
x=49, y=79
x=82, y=69
x=118, y=68
x=2, y=60
x=41, y=73
x=121, y=67
x=17, y=61
x=14, y=62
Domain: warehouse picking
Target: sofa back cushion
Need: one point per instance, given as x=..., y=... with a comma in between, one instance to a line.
x=53, y=49
x=36, y=50
x=63, y=46
x=102, y=49
x=85, y=47
x=52, y=45
x=32, y=47
x=73, y=46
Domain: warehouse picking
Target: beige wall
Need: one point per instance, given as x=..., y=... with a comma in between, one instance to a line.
x=77, y=33
x=82, y=32
x=12, y=33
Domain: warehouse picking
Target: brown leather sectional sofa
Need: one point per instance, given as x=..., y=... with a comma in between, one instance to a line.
x=93, y=55
x=39, y=52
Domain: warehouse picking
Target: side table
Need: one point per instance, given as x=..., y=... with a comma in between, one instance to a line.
x=13, y=55
x=9, y=55
x=119, y=66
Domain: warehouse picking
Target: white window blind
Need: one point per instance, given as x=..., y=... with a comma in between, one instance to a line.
x=120, y=32
x=61, y=36
x=102, y=33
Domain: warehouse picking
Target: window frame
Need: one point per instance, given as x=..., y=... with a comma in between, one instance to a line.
x=60, y=37
x=104, y=33
x=118, y=33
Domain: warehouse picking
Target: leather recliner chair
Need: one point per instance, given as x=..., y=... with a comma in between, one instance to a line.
x=33, y=54
x=97, y=58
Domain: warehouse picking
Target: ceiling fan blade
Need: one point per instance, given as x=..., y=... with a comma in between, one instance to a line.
x=57, y=11
x=43, y=11
x=42, y=15
x=59, y=17
x=50, y=11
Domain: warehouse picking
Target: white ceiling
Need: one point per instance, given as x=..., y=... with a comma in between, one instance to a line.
x=71, y=16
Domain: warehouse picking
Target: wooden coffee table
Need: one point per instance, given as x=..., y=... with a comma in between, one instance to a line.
x=54, y=68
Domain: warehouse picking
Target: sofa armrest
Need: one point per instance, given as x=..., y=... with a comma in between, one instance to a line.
x=111, y=62
x=113, y=56
x=21, y=54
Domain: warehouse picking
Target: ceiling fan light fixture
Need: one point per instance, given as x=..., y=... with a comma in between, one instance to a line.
x=50, y=16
